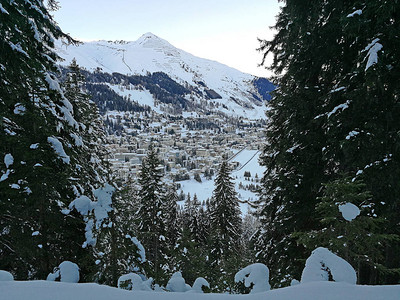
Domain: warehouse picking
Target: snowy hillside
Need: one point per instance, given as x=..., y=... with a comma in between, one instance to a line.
x=45, y=290
x=237, y=93
x=247, y=161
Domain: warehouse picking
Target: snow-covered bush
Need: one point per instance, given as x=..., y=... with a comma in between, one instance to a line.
x=177, y=284
x=134, y=282
x=256, y=275
x=198, y=285
x=6, y=276
x=66, y=272
x=323, y=265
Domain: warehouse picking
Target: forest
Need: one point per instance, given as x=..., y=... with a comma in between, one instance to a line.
x=332, y=141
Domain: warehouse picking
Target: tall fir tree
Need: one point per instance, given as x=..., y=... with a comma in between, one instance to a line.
x=118, y=249
x=92, y=168
x=151, y=216
x=36, y=120
x=332, y=113
x=225, y=230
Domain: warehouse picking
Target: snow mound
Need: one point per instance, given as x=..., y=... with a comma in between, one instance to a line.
x=198, y=285
x=177, y=283
x=66, y=272
x=349, y=211
x=6, y=276
x=256, y=274
x=133, y=282
x=323, y=265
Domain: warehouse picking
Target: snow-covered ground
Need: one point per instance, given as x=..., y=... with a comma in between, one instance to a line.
x=46, y=290
x=248, y=162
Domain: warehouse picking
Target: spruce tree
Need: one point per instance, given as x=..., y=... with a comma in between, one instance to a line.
x=333, y=113
x=36, y=119
x=356, y=238
x=225, y=230
x=118, y=249
x=89, y=137
x=151, y=215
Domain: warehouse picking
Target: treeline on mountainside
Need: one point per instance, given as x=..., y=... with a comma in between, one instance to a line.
x=332, y=138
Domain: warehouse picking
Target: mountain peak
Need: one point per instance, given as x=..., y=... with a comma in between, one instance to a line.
x=149, y=37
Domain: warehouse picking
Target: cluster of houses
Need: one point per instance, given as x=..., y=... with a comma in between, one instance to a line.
x=184, y=152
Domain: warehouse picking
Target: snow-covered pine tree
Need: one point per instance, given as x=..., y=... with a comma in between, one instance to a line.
x=349, y=226
x=191, y=253
x=225, y=230
x=333, y=113
x=36, y=119
x=118, y=249
x=89, y=137
x=151, y=215
x=171, y=217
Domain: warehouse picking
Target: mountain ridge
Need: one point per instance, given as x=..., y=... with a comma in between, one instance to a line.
x=238, y=93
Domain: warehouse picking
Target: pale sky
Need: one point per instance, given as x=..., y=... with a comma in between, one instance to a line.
x=221, y=30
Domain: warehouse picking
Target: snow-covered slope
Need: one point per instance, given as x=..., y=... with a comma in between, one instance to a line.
x=46, y=290
x=240, y=93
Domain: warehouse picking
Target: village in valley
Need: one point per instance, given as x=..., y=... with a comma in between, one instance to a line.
x=191, y=148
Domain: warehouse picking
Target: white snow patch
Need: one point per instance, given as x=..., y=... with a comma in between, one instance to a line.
x=6, y=276
x=34, y=146
x=342, y=106
x=18, y=48
x=256, y=274
x=83, y=205
x=59, y=149
x=8, y=160
x=177, y=284
x=103, y=205
x=5, y=175
x=77, y=139
x=3, y=10
x=372, y=54
x=338, y=89
x=19, y=109
x=140, y=247
x=349, y=210
x=133, y=282
x=15, y=186
x=352, y=134
x=198, y=285
x=323, y=264
x=66, y=272
x=53, y=84
x=46, y=290
x=357, y=12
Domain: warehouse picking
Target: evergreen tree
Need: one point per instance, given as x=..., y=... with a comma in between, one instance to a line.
x=225, y=230
x=332, y=113
x=36, y=120
x=359, y=241
x=171, y=217
x=119, y=250
x=89, y=136
x=151, y=216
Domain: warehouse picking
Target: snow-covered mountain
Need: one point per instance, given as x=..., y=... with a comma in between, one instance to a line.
x=225, y=89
